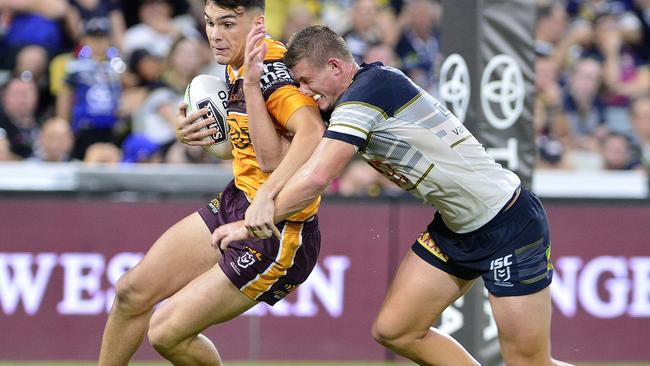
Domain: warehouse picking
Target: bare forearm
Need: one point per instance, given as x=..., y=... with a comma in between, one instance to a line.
x=326, y=163
x=298, y=193
x=301, y=148
x=268, y=144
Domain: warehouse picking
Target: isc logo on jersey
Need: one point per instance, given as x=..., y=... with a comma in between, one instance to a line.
x=207, y=91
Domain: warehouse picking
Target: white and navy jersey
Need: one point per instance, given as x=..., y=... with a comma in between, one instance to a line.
x=413, y=140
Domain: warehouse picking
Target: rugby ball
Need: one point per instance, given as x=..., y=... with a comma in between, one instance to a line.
x=207, y=91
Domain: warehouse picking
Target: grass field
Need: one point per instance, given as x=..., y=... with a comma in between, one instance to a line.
x=284, y=363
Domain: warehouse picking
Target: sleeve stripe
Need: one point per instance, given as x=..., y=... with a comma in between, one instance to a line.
x=367, y=105
x=354, y=140
x=340, y=125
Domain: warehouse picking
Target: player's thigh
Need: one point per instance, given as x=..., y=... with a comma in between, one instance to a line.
x=209, y=299
x=181, y=254
x=417, y=296
x=524, y=322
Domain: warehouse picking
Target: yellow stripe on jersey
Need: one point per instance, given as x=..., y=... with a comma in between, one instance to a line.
x=461, y=141
x=290, y=242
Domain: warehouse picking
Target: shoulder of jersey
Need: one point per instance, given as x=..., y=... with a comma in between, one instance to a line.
x=275, y=49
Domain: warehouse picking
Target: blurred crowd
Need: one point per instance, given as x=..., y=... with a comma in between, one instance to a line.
x=100, y=81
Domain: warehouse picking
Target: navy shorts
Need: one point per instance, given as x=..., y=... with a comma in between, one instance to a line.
x=264, y=269
x=511, y=252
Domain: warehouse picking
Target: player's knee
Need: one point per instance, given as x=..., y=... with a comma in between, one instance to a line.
x=526, y=354
x=387, y=335
x=162, y=335
x=129, y=298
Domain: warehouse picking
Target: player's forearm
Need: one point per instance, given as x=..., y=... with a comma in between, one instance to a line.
x=269, y=147
x=300, y=191
x=302, y=146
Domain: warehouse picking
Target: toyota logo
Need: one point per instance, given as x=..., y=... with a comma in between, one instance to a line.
x=502, y=92
x=455, y=85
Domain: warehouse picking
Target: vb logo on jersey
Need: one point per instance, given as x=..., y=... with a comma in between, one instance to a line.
x=501, y=268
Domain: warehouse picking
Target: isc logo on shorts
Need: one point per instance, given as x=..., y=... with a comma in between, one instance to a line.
x=501, y=268
x=430, y=245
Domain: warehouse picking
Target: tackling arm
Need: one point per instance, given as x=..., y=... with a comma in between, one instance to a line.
x=326, y=163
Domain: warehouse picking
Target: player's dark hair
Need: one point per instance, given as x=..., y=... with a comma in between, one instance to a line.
x=317, y=44
x=237, y=4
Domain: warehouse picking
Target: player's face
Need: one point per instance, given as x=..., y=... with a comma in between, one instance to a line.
x=323, y=83
x=227, y=31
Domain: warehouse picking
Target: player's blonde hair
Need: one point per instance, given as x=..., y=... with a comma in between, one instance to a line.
x=317, y=44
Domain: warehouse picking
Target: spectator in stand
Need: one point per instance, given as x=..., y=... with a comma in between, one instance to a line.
x=18, y=115
x=54, y=142
x=583, y=108
x=641, y=10
x=32, y=62
x=34, y=22
x=626, y=74
x=5, y=147
x=81, y=11
x=365, y=30
x=143, y=77
x=137, y=148
x=418, y=47
x=551, y=26
x=101, y=153
x=91, y=95
x=382, y=52
x=156, y=118
x=584, y=113
x=619, y=152
x=641, y=123
x=158, y=29
x=549, y=121
x=299, y=16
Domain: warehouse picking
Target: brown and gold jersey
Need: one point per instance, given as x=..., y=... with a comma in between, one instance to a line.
x=282, y=98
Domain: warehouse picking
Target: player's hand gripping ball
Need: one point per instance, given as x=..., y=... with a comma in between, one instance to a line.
x=207, y=91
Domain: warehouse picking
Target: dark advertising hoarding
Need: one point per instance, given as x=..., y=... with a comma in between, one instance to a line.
x=59, y=260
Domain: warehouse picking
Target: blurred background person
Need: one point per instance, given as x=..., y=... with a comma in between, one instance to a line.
x=32, y=61
x=619, y=152
x=625, y=73
x=552, y=22
x=34, y=22
x=298, y=16
x=156, y=117
x=137, y=148
x=101, y=153
x=158, y=28
x=5, y=147
x=19, y=116
x=550, y=123
x=364, y=30
x=55, y=142
x=641, y=123
x=418, y=47
x=82, y=11
x=90, y=97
